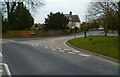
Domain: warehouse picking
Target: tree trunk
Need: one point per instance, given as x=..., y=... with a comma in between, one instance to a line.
x=106, y=29
x=118, y=23
x=118, y=30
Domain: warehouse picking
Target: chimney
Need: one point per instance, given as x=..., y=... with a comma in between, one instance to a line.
x=70, y=13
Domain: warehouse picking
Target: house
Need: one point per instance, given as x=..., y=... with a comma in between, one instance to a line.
x=74, y=20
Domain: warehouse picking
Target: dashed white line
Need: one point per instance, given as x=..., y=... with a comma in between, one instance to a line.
x=76, y=51
x=54, y=49
x=71, y=52
x=57, y=48
x=20, y=42
x=42, y=44
x=51, y=46
x=32, y=44
x=61, y=50
x=11, y=40
x=84, y=55
x=45, y=45
x=66, y=49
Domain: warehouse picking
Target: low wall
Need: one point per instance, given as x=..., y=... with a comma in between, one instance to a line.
x=27, y=33
x=19, y=33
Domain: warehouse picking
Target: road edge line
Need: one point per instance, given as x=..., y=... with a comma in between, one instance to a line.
x=7, y=69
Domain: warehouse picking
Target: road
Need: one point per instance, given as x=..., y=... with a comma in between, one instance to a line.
x=4, y=70
x=50, y=56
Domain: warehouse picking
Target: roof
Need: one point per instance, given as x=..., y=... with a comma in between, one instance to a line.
x=73, y=18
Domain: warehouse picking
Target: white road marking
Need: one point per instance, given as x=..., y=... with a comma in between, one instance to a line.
x=66, y=49
x=76, y=51
x=71, y=52
x=1, y=55
x=42, y=44
x=11, y=40
x=57, y=48
x=6, y=68
x=19, y=42
x=61, y=50
x=51, y=46
x=54, y=49
x=67, y=45
x=84, y=55
x=47, y=47
x=32, y=44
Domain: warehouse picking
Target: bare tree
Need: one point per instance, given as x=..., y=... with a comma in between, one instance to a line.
x=117, y=10
x=10, y=5
x=98, y=9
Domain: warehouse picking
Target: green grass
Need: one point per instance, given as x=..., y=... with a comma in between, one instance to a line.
x=107, y=46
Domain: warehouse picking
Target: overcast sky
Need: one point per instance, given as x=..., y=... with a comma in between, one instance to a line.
x=78, y=7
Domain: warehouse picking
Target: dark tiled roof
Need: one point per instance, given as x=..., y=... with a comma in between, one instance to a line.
x=73, y=18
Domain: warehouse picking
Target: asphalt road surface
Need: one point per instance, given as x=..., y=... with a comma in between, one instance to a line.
x=40, y=59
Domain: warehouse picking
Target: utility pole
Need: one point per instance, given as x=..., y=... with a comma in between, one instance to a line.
x=0, y=24
x=85, y=27
x=74, y=28
x=86, y=17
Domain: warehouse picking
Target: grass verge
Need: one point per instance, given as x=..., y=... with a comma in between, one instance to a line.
x=107, y=46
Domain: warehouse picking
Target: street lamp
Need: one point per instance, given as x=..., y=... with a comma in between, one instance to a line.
x=0, y=24
x=85, y=26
